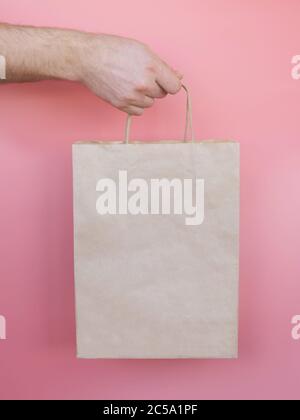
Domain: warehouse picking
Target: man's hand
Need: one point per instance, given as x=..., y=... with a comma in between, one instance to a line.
x=123, y=72
x=126, y=73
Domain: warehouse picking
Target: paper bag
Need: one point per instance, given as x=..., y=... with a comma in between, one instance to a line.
x=156, y=249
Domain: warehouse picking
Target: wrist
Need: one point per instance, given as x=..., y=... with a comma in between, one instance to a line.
x=86, y=46
x=62, y=58
x=76, y=54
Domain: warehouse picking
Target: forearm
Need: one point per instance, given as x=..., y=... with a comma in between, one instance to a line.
x=33, y=54
x=122, y=71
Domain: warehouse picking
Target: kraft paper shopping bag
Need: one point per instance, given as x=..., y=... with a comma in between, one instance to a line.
x=156, y=248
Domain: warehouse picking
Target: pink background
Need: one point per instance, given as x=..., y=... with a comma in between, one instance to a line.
x=236, y=58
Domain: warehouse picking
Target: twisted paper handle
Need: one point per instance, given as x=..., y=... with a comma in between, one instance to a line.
x=188, y=120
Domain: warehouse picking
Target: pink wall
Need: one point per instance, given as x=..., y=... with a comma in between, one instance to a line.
x=236, y=57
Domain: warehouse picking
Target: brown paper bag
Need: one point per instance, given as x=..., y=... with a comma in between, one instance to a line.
x=156, y=248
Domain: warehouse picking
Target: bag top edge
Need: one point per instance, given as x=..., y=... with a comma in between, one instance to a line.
x=119, y=142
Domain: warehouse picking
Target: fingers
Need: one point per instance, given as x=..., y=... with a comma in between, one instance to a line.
x=164, y=81
x=156, y=91
x=142, y=101
x=133, y=110
x=178, y=74
x=137, y=105
x=168, y=79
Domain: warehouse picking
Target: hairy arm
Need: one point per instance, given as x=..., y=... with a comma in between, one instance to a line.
x=122, y=71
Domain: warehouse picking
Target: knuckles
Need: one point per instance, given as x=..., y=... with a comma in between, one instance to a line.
x=139, y=112
x=142, y=87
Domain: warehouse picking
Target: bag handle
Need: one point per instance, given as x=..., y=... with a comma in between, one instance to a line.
x=188, y=120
